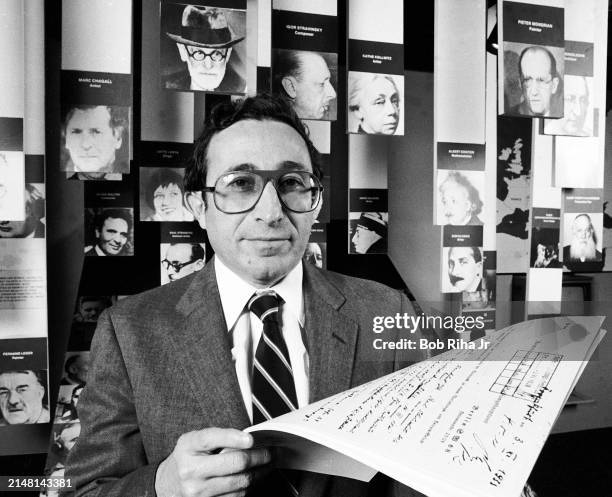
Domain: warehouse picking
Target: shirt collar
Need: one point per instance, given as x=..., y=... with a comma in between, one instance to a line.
x=99, y=251
x=235, y=292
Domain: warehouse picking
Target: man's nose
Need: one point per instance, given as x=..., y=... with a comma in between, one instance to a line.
x=14, y=398
x=86, y=140
x=331, y=93
x=207, y=62
x=390, y=108
x=269, y=207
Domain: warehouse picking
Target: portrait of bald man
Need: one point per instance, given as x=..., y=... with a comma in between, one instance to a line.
x=538, y=73
x=307, y=80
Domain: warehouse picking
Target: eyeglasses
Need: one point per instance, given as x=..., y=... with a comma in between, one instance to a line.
x=177, y=266
x=200, y=55
x=539, y=82
x=239, y=191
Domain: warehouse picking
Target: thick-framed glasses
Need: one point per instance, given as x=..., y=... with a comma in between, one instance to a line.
x=177, y=266
x=199, y=55
x=239, y=191
x=539, y=82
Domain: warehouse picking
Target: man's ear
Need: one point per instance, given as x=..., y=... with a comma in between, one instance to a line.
x=289, y=85
x=317, y=211
x=183, y=52
x=196, y=204
x=118, y=134
x=555, y=85
x=97, y=232
x=199, y=264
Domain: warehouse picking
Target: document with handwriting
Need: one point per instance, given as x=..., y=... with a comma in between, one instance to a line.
x=466, y=423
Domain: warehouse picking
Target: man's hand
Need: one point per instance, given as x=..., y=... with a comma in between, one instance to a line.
x=213, y=461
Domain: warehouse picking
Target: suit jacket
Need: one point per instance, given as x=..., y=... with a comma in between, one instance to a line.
x=162, y=366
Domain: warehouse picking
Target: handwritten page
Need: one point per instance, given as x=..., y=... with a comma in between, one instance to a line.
x=469, y=423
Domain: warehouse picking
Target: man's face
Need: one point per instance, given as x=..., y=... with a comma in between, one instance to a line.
x=538, y=83
x=582, y=230
x=464, y=272
x=456, y=203
x=113, y=235
x=313, y=89
x=69, y=436
x=313, y=251
x=206, y=74
x=90, y=310
x=181, y=254
x=78, y=369
x=379, y=107
x=576, y=104
x=168, y=202
x=20, y=397
x=363, y=239
x=265, y=243
x=91, y=141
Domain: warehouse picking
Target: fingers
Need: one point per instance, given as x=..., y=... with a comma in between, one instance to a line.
x=236, y=461
x=211, y=439
x=238, y=483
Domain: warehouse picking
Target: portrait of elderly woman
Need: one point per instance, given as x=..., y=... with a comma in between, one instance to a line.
x=459, y=199
x=374, y=103
x=161, y=195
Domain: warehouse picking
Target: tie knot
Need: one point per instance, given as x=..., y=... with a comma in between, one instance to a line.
x=265, y=305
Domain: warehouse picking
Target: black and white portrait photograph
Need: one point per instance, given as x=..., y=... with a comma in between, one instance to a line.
x=316, y=254
x=460, y=196
x=203, y=48
x=89, y=307
x=95, y=141
x=578, y=116
x=34, y=224
x=180, y=259
x=533, y=80
x=162, y=195
x=23, y=396
x=545, y=248
x=582, y=241
x=12, y=181
x=108, y=232
x=308, y=81
x=368, y=232
x=375, y=103
x=462, y=269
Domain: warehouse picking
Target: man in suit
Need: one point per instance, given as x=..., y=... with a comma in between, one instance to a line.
x=171, y=381
x=205, y=45
x=112, y=230
x=540, y=84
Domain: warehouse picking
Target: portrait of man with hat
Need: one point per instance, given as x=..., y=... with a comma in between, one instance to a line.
x=370, y=234
x=205, y=40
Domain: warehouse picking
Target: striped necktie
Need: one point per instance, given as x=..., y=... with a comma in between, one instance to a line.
x=273, y=388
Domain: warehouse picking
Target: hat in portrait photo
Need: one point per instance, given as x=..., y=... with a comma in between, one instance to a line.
x=205, y=27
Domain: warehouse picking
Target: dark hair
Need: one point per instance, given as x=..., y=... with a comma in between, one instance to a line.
x=551, y=57
x=118, y=116
x=70, y=361
x=162, y=177
x=113, y=213
x=260, y=108
x=197, y=252
x=476, y=253
x=40, y=374
x=286, y=63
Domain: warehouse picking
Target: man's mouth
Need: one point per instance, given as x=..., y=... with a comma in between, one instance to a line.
x=6, y=229
x=455, y=279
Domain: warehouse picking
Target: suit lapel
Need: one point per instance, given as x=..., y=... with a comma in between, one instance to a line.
x=332, y=336
x=203, y=345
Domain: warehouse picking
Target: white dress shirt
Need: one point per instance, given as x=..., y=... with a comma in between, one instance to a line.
x=245, y=327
